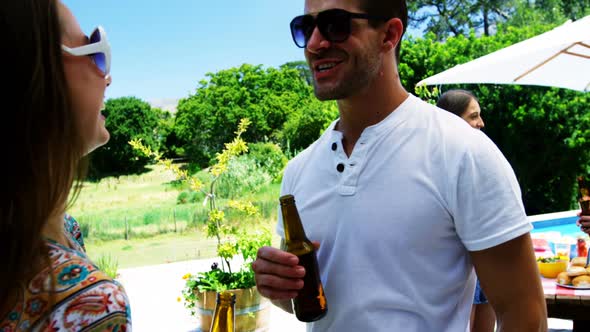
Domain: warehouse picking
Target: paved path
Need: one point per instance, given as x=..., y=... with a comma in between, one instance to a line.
x=154, y=291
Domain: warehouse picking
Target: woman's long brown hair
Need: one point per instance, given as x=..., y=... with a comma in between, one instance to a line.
x=40, y=143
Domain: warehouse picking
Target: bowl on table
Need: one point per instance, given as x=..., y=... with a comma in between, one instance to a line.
x=552, y=269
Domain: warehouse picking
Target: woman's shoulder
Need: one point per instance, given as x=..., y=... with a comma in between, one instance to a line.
x=96, y=303
x=84, y=298
x=73, y=228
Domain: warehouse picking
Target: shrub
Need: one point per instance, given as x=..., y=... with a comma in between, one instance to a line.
x=108, y=264
x=243, y=176
x=269, y=157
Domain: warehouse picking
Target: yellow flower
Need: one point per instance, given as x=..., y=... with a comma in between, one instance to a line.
x=178, y=299
x=186, y=276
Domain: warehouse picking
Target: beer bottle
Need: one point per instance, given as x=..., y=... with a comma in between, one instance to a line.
x=584, y=195
x=310, y=303
x=223, y=318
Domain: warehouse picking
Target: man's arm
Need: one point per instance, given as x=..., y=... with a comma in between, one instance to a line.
x=584, y=223
x=510, y=279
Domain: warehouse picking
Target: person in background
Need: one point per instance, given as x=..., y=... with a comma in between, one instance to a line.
x=55, y=79
x=403, y=199
x=465, y=105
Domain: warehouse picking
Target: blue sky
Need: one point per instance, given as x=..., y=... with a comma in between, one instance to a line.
x=162, y=49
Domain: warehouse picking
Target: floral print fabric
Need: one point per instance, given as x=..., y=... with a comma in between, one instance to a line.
x=84, y=298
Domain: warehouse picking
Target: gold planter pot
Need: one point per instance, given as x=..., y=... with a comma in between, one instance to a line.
x=252, y=311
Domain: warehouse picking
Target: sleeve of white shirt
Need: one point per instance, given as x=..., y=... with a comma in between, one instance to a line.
x=487, y=208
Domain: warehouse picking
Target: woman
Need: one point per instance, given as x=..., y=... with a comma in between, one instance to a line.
x=465, y=105
x=55, y=82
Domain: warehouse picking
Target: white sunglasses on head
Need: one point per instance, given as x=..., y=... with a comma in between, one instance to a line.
x=98, y=49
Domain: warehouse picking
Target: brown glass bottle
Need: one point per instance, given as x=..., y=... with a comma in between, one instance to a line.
x=310, y=303
x=223, y=318
x=584, y=195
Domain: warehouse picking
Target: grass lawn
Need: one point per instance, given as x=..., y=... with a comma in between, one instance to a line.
x=146, y=205
x=160, y=249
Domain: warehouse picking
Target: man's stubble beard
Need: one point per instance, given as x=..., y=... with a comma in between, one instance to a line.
x=366, y=69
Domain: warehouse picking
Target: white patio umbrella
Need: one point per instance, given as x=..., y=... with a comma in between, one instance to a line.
x=557, y=58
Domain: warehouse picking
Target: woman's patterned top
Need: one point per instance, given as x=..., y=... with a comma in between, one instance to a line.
x=72, y=227
x=85, y=298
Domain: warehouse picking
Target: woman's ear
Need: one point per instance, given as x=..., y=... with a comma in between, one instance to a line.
x=393, y=33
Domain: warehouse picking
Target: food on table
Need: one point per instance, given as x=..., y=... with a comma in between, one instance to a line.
x=563, y=279
x=581, y=281
x=550, y=267
x=577, y=276
x=579, y=261
x=575, y=271
x=548, y=259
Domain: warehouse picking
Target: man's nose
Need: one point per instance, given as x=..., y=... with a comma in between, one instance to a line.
x=317, y=41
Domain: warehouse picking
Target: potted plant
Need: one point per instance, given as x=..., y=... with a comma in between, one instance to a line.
x=235, y=244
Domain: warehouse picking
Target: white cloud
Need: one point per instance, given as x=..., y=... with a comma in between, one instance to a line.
x=168, y=104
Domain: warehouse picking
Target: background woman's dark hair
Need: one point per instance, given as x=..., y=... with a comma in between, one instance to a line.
x=39, y=137
x=387, y=8
x=456, y=101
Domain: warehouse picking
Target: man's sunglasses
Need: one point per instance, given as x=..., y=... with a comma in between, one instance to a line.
x=334, y=25
x=98, y=48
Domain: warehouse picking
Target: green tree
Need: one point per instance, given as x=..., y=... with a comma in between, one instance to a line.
x=458, y=17
x=446, y=18
x=265, y=96
x=127, y=118
x=166, y=137
x=303, y=69
x=307, y=124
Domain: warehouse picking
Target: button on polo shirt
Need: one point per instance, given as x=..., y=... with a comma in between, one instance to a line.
x=350, y=168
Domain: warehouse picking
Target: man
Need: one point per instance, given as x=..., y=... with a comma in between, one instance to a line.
x=403, y=198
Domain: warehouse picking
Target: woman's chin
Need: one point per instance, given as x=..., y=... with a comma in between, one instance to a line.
x=98, y=143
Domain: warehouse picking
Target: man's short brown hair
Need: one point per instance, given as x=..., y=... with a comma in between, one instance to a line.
x=387, y=8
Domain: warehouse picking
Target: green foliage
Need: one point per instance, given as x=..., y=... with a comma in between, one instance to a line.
x=188, y=196
x=447, y=18
x=213, y=280
x=544, y=134
x=244, y=175
x=548, y=11
x=265, y=96
x=108, y=265
x=127, y=118
x=232, y=238
x=166, y=137
x=428, y=95
x=303, y=69
x=307, y=124
x=269, y=157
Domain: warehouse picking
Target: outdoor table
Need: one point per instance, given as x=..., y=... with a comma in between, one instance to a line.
x=565, y=303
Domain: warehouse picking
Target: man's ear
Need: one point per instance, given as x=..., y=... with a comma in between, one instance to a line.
x=393, y=33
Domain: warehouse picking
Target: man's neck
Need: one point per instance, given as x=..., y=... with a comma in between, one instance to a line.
x=369, y=107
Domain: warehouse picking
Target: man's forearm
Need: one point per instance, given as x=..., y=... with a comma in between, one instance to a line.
x=284, y=304
x=525, y=317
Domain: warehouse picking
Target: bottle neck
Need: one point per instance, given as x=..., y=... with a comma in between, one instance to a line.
x=291, y=220
x=223, y=320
